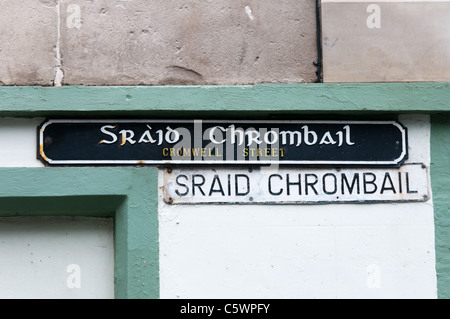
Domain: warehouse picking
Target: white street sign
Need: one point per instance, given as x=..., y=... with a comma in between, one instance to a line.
x=409, y=183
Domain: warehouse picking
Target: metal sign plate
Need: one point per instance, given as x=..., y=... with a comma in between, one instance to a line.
x=409, y=183
x=150, y=142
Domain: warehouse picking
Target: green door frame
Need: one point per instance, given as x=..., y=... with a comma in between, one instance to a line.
x=130, y=194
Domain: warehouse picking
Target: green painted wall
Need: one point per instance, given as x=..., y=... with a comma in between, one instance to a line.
x=440, y=179
x=261, y=100
x=129, y=195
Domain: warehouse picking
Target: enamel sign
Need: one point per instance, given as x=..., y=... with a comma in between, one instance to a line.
x=409, y=183
x=199, y=142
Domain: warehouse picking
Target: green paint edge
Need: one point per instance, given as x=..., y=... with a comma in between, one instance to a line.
x=129, y=195
x=219, y=101
x=440, y=177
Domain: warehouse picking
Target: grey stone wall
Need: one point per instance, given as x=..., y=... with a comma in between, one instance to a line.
x=157, y=42
x=386, y=41
x=28, y=40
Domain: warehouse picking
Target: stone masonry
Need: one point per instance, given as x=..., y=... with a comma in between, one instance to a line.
x=157, y=42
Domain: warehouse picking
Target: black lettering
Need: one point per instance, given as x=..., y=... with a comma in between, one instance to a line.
x=220, y=190
x=387, y=177
x=270, y=185
x=236, y=179
x=355, y=182
x=199, y=185
x=407, y=186
x=370, y=182
x=334, y=183
x=311, y=184
x=289, y=184
x=182, y=185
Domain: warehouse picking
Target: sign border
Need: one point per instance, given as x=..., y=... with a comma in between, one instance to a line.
x=426, y=197
x=48, y=161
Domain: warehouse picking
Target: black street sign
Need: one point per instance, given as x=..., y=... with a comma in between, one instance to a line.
x=169, y=142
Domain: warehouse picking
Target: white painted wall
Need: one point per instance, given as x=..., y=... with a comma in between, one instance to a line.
x=325, y=251
x=57, y=257
x=18, y=142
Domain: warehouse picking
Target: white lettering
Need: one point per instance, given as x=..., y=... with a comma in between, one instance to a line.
x=253, y=136
x=212, y=135
x=309, y=134
x=292, y=136
x=104, y=131
x=147, y=137
x=234, y=132
x=272, y=140
x=172, y=133
x=327, y=139
x=192, y=309
x=347, y=135
x=127, y=136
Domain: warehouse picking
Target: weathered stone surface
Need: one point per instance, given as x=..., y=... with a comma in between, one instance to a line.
x=175, y=42
x=386, y=41
x=27, y=42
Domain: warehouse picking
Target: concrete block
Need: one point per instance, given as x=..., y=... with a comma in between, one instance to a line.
x=189, y=42
x=27, y=42
x=401, y=41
